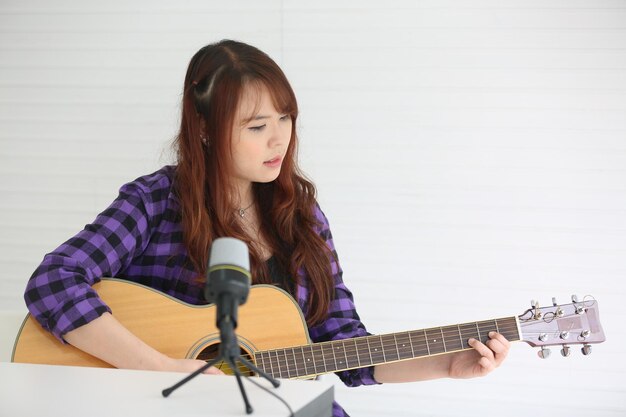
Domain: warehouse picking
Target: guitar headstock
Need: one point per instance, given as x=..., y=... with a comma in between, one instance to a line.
x=576, y=323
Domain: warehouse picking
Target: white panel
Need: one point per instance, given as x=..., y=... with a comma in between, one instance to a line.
x=470, y=156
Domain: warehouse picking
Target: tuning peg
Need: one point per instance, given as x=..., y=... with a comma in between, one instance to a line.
x=579, y=308
x=554, y=303
x=543, y=353
x=535, y=306
x=565, y=351
x=586, y=350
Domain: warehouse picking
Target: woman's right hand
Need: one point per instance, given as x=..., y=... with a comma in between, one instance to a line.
x=188, y=366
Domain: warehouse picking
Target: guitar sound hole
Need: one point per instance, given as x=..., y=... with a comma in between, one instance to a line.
x=211, y=352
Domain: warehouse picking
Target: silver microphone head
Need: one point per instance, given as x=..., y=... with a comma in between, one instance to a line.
x=229, y=251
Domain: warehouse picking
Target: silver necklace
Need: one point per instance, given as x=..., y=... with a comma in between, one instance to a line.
x=242, y=211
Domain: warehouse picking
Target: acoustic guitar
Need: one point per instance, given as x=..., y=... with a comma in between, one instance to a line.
x=273, y=335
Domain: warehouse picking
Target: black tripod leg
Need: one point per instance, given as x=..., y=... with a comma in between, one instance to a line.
x=233, y=365
x=167, y=391
x=253, y=367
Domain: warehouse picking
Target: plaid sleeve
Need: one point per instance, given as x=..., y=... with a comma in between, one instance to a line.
x=343, y=321
x=59, y=293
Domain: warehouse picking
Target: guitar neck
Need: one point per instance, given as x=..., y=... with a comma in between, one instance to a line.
x=307, y=361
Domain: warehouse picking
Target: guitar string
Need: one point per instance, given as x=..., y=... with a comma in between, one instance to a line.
x=322, y=361
x=364, y=348
x=504, y=327
x=422, y=342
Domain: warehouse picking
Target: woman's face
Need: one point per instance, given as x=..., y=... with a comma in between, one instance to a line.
x=260, y=138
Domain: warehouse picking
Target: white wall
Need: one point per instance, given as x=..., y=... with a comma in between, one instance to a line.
x=470, y=156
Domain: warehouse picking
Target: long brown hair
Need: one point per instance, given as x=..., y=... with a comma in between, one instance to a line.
x=213, y=87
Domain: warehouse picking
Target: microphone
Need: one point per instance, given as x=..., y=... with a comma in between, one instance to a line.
x=228, y=279
x=227, y=286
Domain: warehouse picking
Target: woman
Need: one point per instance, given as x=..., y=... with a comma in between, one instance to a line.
x=237, y=176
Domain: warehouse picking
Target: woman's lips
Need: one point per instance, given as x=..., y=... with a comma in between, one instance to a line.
x=274, y=162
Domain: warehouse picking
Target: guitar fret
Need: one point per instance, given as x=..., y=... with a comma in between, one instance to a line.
x=377, y=353
x=295, y=361
x=435, y=343
x=263, y=361
x=468, y=332
x=285, y=362
x=451, y=338
x=487, y=327
x=280, y=371
x=510, y=330
x=424, y=346
x=369, y=349
x=318, y=359
x=283, y=365
x=389, y=351
x=352, y=354
x=312, y=359
x=258, y=360
x=345, y=356
x=362, y=351
x=395, y=339
x=443, y=340
x=411, y=343
x=292, y=370
x=299, y=359
x=419, y=345
x=325, y=361
x=347, y=348
x=269, y=358
x=307, y=361
x=382, y=345
x=405, y=350
x=334, y=357
x=339, y=362
x=329, y=356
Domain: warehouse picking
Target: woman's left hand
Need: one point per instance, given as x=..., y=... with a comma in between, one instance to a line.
x=482, y=359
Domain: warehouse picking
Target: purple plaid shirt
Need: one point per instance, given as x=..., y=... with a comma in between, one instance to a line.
x=139, y=238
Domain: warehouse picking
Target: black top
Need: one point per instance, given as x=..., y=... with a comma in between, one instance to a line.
x=279, y=276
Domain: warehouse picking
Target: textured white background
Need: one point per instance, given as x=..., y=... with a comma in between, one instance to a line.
x=470, y=155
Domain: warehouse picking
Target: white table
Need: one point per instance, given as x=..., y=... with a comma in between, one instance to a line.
x=47, y=390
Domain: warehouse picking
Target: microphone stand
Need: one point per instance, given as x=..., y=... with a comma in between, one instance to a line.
x=228, y=351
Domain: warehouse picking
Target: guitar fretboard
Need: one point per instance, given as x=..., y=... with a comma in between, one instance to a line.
x=314, y=359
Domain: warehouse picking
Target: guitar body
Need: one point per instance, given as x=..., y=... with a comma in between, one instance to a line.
x=269, y=319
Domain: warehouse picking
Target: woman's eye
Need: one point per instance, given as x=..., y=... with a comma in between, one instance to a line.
x=285, y=117
x=256, y=128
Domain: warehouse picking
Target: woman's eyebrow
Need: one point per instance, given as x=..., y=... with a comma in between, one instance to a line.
x=257, y=117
